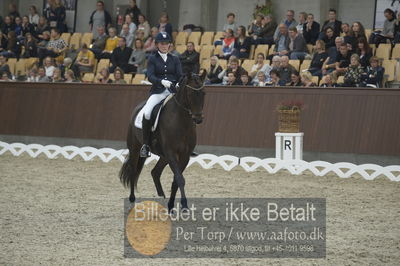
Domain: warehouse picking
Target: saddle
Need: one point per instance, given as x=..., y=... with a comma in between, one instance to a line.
x=155, y=114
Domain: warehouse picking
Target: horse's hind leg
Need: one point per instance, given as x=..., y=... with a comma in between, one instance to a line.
x=156, y=174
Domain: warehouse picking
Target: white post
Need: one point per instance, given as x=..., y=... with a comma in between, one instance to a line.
x=289, y=146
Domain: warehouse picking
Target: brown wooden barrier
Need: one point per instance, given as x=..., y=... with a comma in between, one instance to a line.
x=349, y=120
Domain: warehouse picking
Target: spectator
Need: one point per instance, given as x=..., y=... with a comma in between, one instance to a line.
x=131, y=24
x=276, y=62
x=234, y=68
x=4, y=67
x=350, y=40
x=245, y=79
x=311, y=30
x=295, y=80
x=164, y=25
x=99, y=18
x=190, y=59
x=55, y=47
x=33, y=75
x=48, y=64
x=3, y=42
x=138, y=58
x=374, y=74
x=345, y=29
x=84, y=62
x=69, y=76
x=111, y=43
x=261, y=80
x=150, y=44
x=133, y=11
x=143, y=26
x=329, y=81
x=173, y=51
x=44, y=40
x=329, y=37
x=387, y=33
x=242, y=44
x=5, y=78
x=57, y=77
x=42, y=74
x=302, y=22
x=99, y=43
x=119, y=76
x=103, y=77
x=268, y=30
x=139, y=35
x=289, y=22
x=256, y=27
x=13, y=46
x=8, y=25
x=318, y=59
x=56, y=15
x=26, y=26
x=66, y=65
x=275, y=79
x=333, y=23
x=18, y=28
x=342, y=60
x=357, y=30
x=228, y=44
x=281, y=42
x=297, y=45
x=12, y=11
x=231, y=79
x=285, y=70
x=120, y=57
x=41, y=28
x=33, y=15
x=230, y=23
x=330, y=63
x=215, y=70
x=306, y=79
x=352, y=76
x=125, y=33
x=364, y=51
x=30, y=46
x=260, y=65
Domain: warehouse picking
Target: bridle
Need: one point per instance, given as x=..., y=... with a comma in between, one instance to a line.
x=187, y=109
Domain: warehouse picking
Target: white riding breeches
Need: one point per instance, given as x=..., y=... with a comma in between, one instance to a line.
x=153, y=101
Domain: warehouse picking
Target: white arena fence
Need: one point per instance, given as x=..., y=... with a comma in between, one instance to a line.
x=207, y=161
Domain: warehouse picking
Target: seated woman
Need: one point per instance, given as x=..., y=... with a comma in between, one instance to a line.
x=374, y=74
x=57, y=77
x=49, y=67
x=111, y=43
x=352, y=76
x=378, y=37
x=13, y=48
x=329, y=81
x=306, y=79
x=318, y=58
x=242, y=44
x=41, y=28
x=260, y=66
x=69, y=76
x=119, y=76
x=84, y=61
x=150, y=44
x=138, y=57
x=329, y=38
x=215, y=70
x=26, y=26
x=143, y=26
x=103, y=76
x=295, y=79
x=364, y=51
x=228, y=44
x=164, y=25
x=30, y=46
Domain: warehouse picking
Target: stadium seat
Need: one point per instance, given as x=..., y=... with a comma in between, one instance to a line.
x=30, y=62
x=11, y=63
x=340, y=80
x=75, y=41
x=218, y=36
x=87, y=39
x=207, y=38
x=223, y=63
x=315, y=79
x=181, y=38
x=251, y=53
x=206, y=52
x=310, y=48
x=137, y=80
x=383, y=51
x=368, y=33
x=20, y=67
x=180, y=48
x=373, y=47
x=88, y=77
x=128, y=78
x=271, y=49
x=218, y=50
x=305, y=65
x=248, y=64
x=103, y=63
x=295, y=64
x=261, y=48
x=195, y=37
x=174, y=34
x=390, y=69
x=396, y=51
x=205, y=64
x=66, y=36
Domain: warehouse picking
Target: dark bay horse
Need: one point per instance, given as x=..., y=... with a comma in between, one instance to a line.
x=174, y=139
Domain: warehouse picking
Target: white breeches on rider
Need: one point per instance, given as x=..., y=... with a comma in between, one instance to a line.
x=153, y=101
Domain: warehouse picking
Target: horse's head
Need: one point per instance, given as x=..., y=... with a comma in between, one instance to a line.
x=193, y=95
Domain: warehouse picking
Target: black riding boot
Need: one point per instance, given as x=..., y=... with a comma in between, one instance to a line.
x=146, y=128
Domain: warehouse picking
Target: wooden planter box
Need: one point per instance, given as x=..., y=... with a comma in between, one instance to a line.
x=289, y=120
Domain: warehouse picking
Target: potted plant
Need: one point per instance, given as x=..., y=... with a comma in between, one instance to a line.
x=289, y=116
x=265, y=9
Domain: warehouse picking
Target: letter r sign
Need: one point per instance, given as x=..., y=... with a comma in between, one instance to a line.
x=288, y=145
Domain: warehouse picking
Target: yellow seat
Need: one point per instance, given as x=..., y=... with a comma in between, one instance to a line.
x=248, y=64
x=174, y=34
x=218, y=50
x=205, y=64
x=390, y=69
x=181, y=38
x=271, y=49
x=103, y=63
x=75, y=41
x=195, y=37
x=373, y=47
x=223, y=63
x=207, y=38
x=310, y=48
x=66, y=36
x=218, y=36
x=88, y=77
x=340, y=80
x=295, y=64
x=11, y=62
x=137, y=80
x=87, y=39
x=368, y=33
x=261, y=49
x=383, y=51
x=128, y=78
x=252, y=50
x=20, y=67
x=180, y=48
x=396, y=51
x=31, y=62
x=305, y=65
x=206, y=52
x=315, y=79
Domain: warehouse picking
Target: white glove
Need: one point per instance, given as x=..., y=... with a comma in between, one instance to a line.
x=166, y=83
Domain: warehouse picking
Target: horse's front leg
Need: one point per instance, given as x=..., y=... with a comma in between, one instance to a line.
x=179, y=182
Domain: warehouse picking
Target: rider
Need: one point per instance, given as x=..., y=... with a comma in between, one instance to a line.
x=164, y=70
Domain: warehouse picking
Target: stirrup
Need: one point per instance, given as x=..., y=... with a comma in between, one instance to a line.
x=145, y=151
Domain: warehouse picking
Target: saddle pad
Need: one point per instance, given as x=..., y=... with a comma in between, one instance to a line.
x=139, y=116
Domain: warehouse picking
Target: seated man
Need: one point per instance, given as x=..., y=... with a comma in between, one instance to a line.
x=99, y=44
x=231, y=81
x=84, y=62
x=297, y=45
x=54, y=47
x=127, y=35
x=190, y=59
x=330, y=62
x=285, y=70
x=281, y=42
x=234, y=68
x=120, y=57
x=342, y=60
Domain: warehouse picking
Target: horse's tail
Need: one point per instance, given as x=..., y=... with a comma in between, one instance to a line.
x=131, y=169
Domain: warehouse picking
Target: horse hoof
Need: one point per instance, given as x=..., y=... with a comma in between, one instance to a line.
x=161, y=195
x=132, y=199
